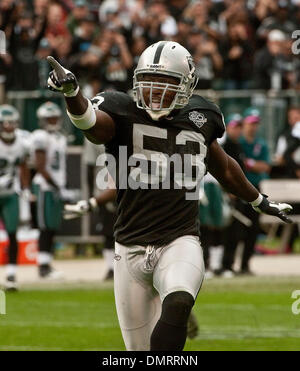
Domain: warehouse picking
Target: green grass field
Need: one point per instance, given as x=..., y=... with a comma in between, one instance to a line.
x=238, y=314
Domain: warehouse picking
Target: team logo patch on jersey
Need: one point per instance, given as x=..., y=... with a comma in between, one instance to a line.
x=198, y=118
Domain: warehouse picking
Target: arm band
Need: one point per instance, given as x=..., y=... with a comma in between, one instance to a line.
x=258, y=201
x=85, y=121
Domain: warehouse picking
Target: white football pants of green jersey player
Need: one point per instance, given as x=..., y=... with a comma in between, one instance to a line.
x=144, y=276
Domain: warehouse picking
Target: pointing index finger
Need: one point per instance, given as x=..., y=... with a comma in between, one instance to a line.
x=57, y=67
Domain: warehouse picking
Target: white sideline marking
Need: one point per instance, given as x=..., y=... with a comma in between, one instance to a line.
x=55, y=324
x=250, y=335
x=247, y=307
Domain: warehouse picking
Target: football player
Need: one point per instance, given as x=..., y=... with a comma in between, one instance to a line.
x=49, y=146
x=158, y=263
x=13, y=174
x=107, y=197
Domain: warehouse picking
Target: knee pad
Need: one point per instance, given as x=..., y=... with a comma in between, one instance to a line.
x=176, y=308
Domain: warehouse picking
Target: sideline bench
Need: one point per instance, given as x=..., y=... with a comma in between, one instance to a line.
x=281, y=190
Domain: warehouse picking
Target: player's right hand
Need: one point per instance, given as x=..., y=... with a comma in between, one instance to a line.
x=62, y=80
x=79, y=209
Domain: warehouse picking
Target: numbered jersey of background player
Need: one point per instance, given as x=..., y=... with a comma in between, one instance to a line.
x=158, y=216
x=11, y=156
x=54, y=144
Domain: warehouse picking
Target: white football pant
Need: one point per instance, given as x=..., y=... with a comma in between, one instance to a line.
x=144, y=276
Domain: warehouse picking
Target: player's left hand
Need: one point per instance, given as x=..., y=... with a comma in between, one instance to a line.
x=273, y=208
x=79, y=209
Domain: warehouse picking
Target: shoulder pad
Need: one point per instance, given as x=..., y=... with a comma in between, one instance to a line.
x=198, y=102
x=113, y=102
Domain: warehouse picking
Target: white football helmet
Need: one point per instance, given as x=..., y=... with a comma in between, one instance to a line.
x=50, y=116
x=170, y=59
x=9, y=121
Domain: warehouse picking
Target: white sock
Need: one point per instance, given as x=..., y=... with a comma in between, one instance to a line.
x=11, y=270
x=44, y=258
x=109, y=255
x=215, y=257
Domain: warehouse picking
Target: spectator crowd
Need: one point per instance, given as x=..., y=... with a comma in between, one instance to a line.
x=236, y=44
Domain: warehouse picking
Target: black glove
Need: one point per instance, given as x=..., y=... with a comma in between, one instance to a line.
x=62, y=80
x=273, y=208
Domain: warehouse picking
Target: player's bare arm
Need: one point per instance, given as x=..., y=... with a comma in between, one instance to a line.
x=230, y=175
x=97, y=126
x=104, y=128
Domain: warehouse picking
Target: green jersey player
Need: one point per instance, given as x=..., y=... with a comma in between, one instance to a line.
x=49, y=147
x=14, y=179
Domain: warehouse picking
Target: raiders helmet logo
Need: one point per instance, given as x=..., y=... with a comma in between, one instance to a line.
x=198, y=118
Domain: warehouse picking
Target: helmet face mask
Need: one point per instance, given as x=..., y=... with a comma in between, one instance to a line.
x=9, y=121
x=156, y=92
x=172, y=61
x=50, y=116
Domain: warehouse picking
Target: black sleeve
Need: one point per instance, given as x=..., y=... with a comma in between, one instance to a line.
x=219, y=125
x=115, y=104
x=212, y=113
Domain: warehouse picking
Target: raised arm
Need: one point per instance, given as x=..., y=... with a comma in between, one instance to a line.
x=229, y=174
x=96, y=125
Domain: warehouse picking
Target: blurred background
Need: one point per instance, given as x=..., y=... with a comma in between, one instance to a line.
x=244, y=59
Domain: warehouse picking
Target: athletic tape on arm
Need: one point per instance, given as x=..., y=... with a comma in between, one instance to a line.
x=85, y=121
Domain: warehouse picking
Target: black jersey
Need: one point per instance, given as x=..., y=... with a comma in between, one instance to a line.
x=152, y=214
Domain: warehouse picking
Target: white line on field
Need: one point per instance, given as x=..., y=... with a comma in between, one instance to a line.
x=55, y=324
x=242, y=306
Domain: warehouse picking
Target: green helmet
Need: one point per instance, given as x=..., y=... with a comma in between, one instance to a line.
x=47, y=113
x=9, y=120
x=251, y=115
